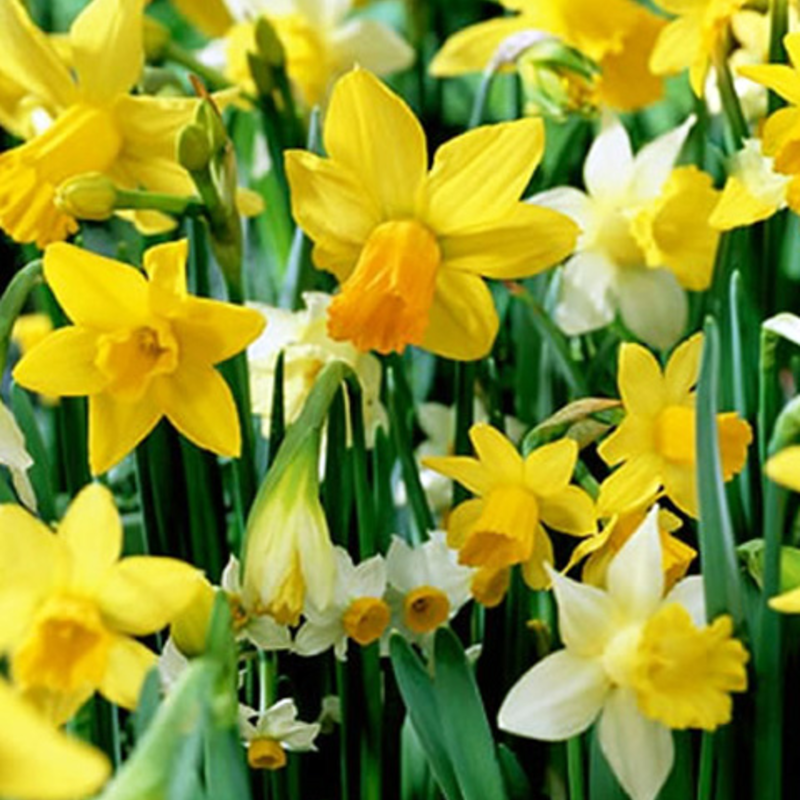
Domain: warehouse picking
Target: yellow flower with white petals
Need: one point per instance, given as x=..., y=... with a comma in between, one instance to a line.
x=503, y=525
x=69, y=606
x=656, y=442
x=409, y=245
x=638, y=663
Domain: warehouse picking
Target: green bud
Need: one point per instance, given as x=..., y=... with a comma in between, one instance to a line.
x=269, y=45
x=263, y=75
x=89, y=196
x=194, y=148
x=209, y=119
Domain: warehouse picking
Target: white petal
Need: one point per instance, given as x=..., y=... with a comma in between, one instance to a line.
x=231, y=580
x=574, y=203
x=317, y=556
x=369, y=578
x=313, y=639
x=278, y=718
x=653, y=305
x=654, y=162
x=588, y=298
x=640, y=751
x=635, y=576
x=690, y=593
x=402, y=566
x=608, y=169
x=371, y=45
x=559, y=698
x=266, y=634
x=301, y=737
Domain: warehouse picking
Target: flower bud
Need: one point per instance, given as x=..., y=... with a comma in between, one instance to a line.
x=194, y=148
x=190, y=629
x=89, y=196
x=270, y=48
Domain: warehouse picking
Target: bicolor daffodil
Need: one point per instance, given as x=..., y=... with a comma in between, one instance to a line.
x=69, y=606
x=656, y=442
x=408, y=245
x=86, y=118
x=275, y=731
x=637, y=663
x=644, y=237
x=694, y=39
x=502, y=526
x=357, y=610
x=141, y=348
x=618, y=35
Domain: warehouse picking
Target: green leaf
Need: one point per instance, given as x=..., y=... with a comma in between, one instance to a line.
x=518, y=787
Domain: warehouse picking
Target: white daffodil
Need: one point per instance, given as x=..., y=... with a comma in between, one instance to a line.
x=638, y=662
x=427, y=585
x=302, y=337
x=645, y=237
x=357, y=610
x=275, y=731
x=14, y=455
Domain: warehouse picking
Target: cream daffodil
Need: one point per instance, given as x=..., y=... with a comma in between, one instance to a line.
x=15, y=456
x=502, y=526
x=357, y=610
x=275, y=731
x=618, y=35
x=409, y=245
x=638, y=663
x=140, y=349
x=92, y=123
x=656, y=442
x=69, y=605
x=644, y=237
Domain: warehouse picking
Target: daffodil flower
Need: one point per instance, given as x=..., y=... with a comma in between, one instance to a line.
x=637, y=663
x=140, y=349
x=503, y=525
x=409, y=246
x=275, y=731
x=618, y=35
x=69, y=606
x=645, y=237
x=90, y=122
x=655, y=443
x=357, y=610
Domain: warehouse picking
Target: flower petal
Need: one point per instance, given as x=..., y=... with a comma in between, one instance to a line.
x=641, y=384
x=570, y=511
x=683, y=370
x=567, y=200
x=608, y=169
x=632, y=486
x=633, y=437
x=654, y=162
x=784, y=468
x=557, y=699
x=548, y=469
x=372, y=45
x=467, y=471
x=495, y=452
x=690, y=593
x=128, y=665
x=588, y=294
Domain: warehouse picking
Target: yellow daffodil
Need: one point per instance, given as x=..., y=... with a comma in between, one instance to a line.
x=87, y=120
x=212, y=17
x=503, y=525
x=645, y=237
x=694, y=39
x=69, y=606
x=618, y=35
x=655, y=443
x=39, y=762
x=636, y=661
x=408, y=246
x=140, y=349
x=320, y=38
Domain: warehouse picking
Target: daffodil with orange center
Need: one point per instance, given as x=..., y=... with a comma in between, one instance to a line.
x=502, y=526
x=69, y=605
x=141, y=349
x=86, y=120
x=655, y=443
x=409, y=245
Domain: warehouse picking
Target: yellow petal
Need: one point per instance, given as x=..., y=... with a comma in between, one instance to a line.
x=92, y=530
x=94, y=291
x=41, y=762
x=198, y=402
x=680, y=485
x=107, y=48
x=461, y=520
x=683, y=370
x=469, y=472
x=62, y=364
x=373, y=133
x=633, y=437
x=496, y=453
x=143, y=594
x=165, y=266
x=781, y=78
x=676, y=47
x=641, y=384
x=735, y=435
x=463, y=321
x=631, y=486
x=739, y=207
x=116, y=427
x=570, y=511
x=479, y=176
x=549, y=468
x=211, y=16
x=787, y=603
x=784, y=468
x=128, y=665
x=533, y=570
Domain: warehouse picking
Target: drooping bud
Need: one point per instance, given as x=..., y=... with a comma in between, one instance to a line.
x=89, y=196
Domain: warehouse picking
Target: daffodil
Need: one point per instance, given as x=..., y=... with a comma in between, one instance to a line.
x=141, y=348
x=90, y=121
x=694, y=39
x=638, y=663
x=357, y=610
x=275, y=731
x=655, y=443
x=320, y=38
x=645, y=237
x=39, y=762
x=69, y=605
x=502, y=526
x=618, y=36
x=409, y=246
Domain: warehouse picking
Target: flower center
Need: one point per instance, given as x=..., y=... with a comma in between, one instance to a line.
x=425, y=609
x=266, y=754
x=675, y=434
x=366, y=619
x=131, y=358
x=615, y=238
x=82, y=139
x=66, y=649
x=619, y=657
x=385, y=303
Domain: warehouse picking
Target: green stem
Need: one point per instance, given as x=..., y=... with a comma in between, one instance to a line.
x=482, y=96
x=465, y=404
x=13, y=301
x=156, y=201
x=705, y=781
x=778, y=27
x=575, y=769
x=213, y=79
x=737, y=125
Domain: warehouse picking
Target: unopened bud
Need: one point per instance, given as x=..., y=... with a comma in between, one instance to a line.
x=189, y=630
x=263, y=75
x=156, y=39
x=208, y=118
x=90, y=196
x=194, y=148
x=268, y=43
